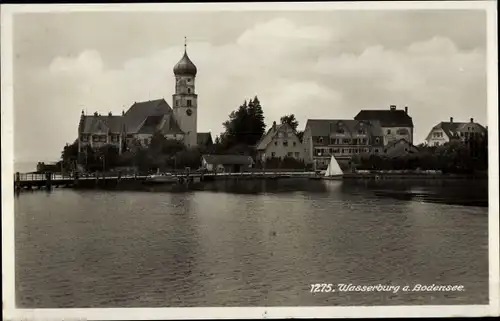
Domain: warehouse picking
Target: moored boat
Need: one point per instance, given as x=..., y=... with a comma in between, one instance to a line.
x=333, y=172
x=161, y=179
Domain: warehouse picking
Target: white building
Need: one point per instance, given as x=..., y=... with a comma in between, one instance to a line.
x=444, y=132
x=280, y=141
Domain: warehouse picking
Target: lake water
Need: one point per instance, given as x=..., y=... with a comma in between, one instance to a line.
x=253, y=243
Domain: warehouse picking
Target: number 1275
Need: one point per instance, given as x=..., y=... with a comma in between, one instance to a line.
x=322, y=287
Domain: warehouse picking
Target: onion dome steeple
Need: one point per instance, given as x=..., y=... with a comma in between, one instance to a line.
x=185, y=66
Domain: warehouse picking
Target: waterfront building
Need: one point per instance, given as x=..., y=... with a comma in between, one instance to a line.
x=280, y=141
x=396, y=123
x=400, y=148
x=342, y=138
x=445, y=132
x=143, y=119
x=226, y=163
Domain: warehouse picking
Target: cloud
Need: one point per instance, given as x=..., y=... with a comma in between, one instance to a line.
x=293, y=67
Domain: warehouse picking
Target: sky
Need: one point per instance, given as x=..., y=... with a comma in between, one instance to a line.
x=314, y=64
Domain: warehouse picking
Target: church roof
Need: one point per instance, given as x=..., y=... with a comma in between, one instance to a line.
x=387, y=118
x=135, y=117
x=204, y=139
x=185, y=66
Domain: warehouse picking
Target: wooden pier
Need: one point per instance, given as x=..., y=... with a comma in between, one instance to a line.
x=51, y=180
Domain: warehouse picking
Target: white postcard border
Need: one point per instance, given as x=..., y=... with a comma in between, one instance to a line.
x=8, y=266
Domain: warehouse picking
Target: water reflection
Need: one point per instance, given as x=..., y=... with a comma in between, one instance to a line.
x=247, y=244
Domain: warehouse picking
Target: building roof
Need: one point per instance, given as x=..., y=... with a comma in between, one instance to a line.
x=185, y=66
x=267, y=138
x=228, y=159
x=324, y=127
x=204, y=139
x=169, y=125
x=453, y=129
x=387, y=118
x=92, y=124
x=139, y=111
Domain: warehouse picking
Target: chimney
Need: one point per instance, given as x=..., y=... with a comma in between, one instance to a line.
x=110, y=114
x=472, y=120
x=274, y=125
x=406, y=109
x=393, y=107
x=123, y=113
x=451, y=119
x=95, y=113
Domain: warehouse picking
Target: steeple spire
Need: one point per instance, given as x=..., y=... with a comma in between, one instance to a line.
x=185, y=44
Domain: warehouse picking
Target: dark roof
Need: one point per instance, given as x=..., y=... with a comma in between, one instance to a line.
x=170, y=125
x=139, y=111
x=387, y=118
x=204, y=139
x=228, y=159
x=150, y=125
x=185, y=66
x=92, y=124
x=324, y=127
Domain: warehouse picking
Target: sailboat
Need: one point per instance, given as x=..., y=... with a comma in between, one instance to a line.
x=333, y=172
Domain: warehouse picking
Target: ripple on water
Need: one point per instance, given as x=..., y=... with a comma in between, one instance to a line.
x=207, y=248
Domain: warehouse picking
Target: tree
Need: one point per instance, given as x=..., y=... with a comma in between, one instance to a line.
x=290, y=120
x=300, y=135
x=245, y=125
x=69, y=155
x=255, y=121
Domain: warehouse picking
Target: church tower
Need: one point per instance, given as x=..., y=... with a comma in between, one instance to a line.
x=185, y=99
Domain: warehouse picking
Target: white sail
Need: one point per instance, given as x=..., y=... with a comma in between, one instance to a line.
x=333, y=168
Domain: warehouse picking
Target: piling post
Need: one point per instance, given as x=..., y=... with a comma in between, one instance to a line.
x=76, y=179
x=17, y=180
x=48, y=180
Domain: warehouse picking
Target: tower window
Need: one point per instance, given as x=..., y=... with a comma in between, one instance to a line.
x=188, y=102
x=189, y=90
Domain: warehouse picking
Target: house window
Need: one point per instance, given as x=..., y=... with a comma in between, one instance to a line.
x=188, y=102
x=340, y=131
x=297, y=154
x=294, y=144
x=290, y=154
x=320, y=140
x=273, y=154
x=388, y=132
x=406, y=149
x=346, y=141
x=376, y=150
x=285, y=143
x=275, y=143
x=377, y=140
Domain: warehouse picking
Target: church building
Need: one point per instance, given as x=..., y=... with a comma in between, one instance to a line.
x=143, y=119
